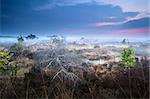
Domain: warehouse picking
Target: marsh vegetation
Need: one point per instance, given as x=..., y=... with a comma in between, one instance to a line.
x=55, y=69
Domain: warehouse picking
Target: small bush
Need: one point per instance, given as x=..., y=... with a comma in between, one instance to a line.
x=7, y=67
x=128, y=57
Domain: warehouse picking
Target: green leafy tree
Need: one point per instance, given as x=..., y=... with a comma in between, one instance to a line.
x=7, y=67
x=4, y=60
x=128, y=57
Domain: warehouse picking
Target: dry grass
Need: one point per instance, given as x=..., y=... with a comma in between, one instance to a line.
x=59, y=74
x=39, y=84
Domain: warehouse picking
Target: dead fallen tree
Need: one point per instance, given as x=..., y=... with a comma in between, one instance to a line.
x=60, y=60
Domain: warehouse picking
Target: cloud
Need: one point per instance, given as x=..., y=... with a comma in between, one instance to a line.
x=138, y=23
x=135, y=27
x=86, y=14
x=128, y=19
x=109, y=23
x=111, y=17
x=136, y=30
x=79, y=16
x=60, y=3
x=127, y=6
x=139, y=16
x=105, y=13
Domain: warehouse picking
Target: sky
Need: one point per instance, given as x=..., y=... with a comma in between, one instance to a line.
x=76, y=18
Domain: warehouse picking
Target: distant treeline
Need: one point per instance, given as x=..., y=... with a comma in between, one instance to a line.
x=31, y=36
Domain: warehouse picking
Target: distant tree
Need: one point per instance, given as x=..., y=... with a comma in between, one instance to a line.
x=128, y=57
x=123, y=41
x=17, y=48
x=57, y=39
x=82, y=38
x=31, y=36
x=20, y=39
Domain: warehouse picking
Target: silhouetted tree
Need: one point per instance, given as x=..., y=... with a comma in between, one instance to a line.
x=31, y=36
x=20, y=39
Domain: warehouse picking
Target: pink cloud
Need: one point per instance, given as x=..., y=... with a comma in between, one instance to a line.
x=137, y=31
x=108, y=23
x=139, y=16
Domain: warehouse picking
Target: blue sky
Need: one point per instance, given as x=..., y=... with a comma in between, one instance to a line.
x=89, y=18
